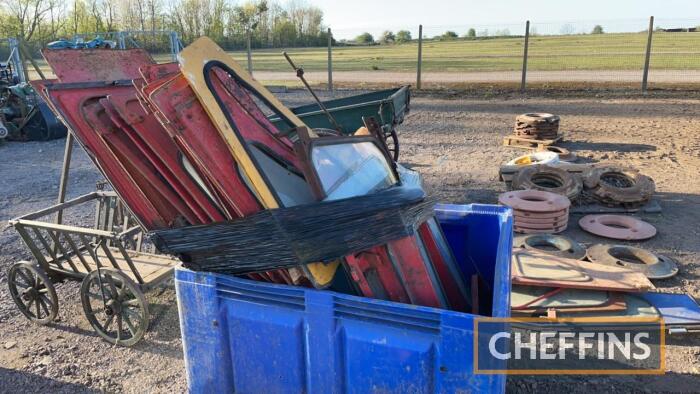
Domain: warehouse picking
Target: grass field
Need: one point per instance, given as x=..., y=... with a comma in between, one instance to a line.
x=605, y=52
x=678, y=51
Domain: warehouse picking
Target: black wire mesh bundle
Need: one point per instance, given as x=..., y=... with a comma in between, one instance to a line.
x=287, y=237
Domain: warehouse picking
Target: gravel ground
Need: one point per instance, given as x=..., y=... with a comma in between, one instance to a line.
x=456, y=144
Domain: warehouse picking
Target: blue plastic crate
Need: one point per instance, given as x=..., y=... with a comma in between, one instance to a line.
x=249, y=337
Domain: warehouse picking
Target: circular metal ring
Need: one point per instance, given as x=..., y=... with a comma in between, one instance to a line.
x=525, y=230
x=539, y=226
x=564, y=154
x=549, y=179
x=534, y=201
x=550, y=221
x=541, y=215
x=617, y=227
x=636, y=259
x=565, y=246
x=537, y=117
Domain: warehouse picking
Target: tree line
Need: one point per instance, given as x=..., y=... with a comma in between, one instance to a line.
x=266, y=23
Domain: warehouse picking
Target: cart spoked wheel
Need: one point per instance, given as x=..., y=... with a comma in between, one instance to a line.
x=32, y=291
x=392, y=143
x=115, y=306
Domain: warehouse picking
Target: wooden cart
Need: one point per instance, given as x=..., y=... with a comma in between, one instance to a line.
x=110, y=258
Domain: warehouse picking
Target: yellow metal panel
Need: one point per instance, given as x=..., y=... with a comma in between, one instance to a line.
x=193, y=60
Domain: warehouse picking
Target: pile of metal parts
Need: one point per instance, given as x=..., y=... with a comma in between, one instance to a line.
x=551, y=279
x=199, y=145
x=537, y=211
x=611, y=186
x=24, y=116
x=537, y=126
x=551, y=168
x=618, y=186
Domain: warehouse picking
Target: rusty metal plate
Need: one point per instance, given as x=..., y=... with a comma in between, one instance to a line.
x=154, y=142
x=534, y=201
x=540, y=269
x=154, y=72
x=635, y=306
x=92, y=65
x=68, y=101
x=617, y=227
x=533, y=297
x=190, y=127
x=140, y=170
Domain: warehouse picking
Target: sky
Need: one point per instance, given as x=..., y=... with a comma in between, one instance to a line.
x=348, y=18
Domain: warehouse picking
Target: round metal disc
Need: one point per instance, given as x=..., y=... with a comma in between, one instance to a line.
x=539, y=226
x=667, y=268
x=552, y=221
x=534, y=201
x=617, y=227
x=556, y=245
x=541, y=215
x=536, y=231
x=636, y=259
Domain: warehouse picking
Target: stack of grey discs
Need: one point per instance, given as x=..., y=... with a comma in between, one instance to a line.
x=537, y=126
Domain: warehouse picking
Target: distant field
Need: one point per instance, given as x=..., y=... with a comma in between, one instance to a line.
x=604, y=52
x=679, y=51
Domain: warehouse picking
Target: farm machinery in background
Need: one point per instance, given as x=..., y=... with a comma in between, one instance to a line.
x=24, y=116
x=79, y=43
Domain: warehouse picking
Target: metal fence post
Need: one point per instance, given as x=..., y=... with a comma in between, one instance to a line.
x=250, y=56
x=120, y=39
x=420, y=55
x=17, y=60
x=647, y=57
x=523, y=81
x=174, y=45
x=330, y=61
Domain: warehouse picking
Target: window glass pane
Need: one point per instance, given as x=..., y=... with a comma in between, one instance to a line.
x=290, y=187
x=353, y=169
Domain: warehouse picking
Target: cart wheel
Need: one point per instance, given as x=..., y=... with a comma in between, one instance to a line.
x=33, y=292
x=392, y=143
x=114, y=306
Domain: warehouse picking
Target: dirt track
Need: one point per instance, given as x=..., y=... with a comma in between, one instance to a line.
x=456, y=145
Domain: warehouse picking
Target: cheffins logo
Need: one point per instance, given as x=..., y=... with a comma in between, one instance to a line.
x=539, y=346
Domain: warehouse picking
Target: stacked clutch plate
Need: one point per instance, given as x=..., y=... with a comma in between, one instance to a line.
x=537, y=126
x=536, y=211
x=615, y=186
